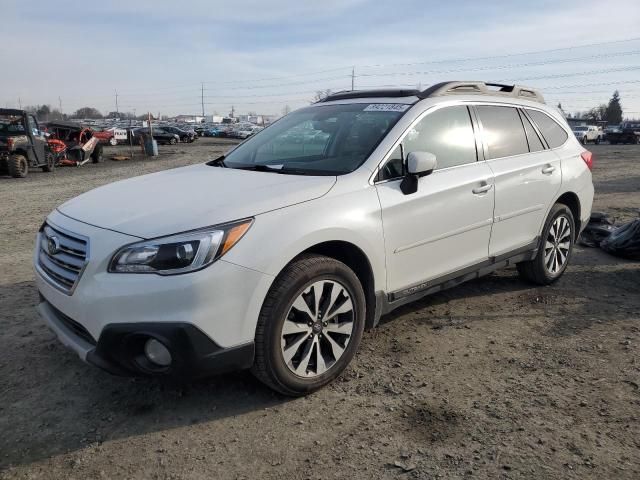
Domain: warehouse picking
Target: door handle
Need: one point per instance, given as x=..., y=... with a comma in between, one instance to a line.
x=548, y=169
x=482, y=189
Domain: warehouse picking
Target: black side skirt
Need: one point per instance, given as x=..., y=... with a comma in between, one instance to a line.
x=389, y=302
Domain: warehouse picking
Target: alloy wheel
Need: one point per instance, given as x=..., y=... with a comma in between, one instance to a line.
x=557, y=245
x=317, y=328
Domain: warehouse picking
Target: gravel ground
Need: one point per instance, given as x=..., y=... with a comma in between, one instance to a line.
x=492, y=379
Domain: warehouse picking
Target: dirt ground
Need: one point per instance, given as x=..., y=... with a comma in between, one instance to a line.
x=492, y=379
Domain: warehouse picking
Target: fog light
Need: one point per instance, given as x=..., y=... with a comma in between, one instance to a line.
x=157, y=353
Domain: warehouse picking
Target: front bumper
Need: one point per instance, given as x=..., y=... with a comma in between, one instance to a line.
x=207, y=317
x=120, y=348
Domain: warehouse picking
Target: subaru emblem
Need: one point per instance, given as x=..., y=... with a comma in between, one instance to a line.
x=53, y=245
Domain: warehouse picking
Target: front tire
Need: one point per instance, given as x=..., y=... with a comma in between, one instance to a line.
x=172, y=141
x=113, y=142
x=554, y=250
x=18, y=166
x=50, y=162
x=310, y=325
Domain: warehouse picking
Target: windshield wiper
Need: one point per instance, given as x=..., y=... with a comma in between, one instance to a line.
x=218, y=162
x=276, y=169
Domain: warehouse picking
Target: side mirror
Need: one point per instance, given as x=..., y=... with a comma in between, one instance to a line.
x=419, y=164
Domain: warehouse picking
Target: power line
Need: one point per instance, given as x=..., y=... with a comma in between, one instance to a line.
x=574, y=74
x=503, y=67
x=578, y=85
x=507, y=55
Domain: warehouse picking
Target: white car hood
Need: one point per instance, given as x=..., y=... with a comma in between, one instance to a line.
x=191, y=197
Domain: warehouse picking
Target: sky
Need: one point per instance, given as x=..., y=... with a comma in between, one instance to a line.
x=258, y=56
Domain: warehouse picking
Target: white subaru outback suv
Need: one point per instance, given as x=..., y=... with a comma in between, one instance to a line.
x=278, y=255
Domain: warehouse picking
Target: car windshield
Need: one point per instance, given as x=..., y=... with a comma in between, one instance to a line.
x=580, y=129
x=321, y=140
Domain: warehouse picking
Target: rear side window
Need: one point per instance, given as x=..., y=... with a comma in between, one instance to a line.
x=553, y=133
x=447, y=133
x=503, y=131
x=535, y=144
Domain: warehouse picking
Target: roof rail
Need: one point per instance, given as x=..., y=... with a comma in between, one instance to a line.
x=481, y=88
x=370, y=94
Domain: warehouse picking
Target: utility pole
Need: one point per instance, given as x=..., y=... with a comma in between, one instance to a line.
x=117, y=111
x=202, y=97
x=60, y=103
x=20, y=103
x=353, y=78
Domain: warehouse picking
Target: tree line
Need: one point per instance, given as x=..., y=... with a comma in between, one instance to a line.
x=608, y=112
x=45, y=113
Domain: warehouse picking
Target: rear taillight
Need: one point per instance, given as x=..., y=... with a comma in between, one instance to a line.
x=10, y=143
x=587, y=156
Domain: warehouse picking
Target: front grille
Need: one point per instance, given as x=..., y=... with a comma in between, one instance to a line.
x=62, y=256
x=74, y=326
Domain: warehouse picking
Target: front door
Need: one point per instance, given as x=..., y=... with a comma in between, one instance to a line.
x=38, y=141
x=445, y=226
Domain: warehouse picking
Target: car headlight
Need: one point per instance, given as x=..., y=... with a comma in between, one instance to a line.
x=181, y=253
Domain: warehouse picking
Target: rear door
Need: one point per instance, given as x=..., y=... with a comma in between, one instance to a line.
x=527, y=176
x=445, y=225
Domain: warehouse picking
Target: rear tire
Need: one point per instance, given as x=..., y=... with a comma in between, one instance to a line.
x=18, y=166
x=554, y=249
x=113, y=142
x=319, y=339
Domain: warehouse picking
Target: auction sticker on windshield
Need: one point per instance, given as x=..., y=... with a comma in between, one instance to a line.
x=386, y=107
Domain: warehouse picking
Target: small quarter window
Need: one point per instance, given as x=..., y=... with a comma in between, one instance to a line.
x=394, y=167
x=535, y=144
x=553, y=133
x=503, y=131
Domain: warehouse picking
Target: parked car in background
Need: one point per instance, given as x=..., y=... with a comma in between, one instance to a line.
x=200, y=130
x=626, y=132
x=183, y=135
x=159, y=134
x=276, y=256
x=246, y=131
x=587, y=133
x=188, y=128
x=219, y=131
x=119, y=135
x=104, y=136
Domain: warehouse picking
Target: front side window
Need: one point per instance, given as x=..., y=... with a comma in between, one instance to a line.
x=502, y=131
x=553, y=133
x=33, y=125
x=447, y=133
x=320, y=140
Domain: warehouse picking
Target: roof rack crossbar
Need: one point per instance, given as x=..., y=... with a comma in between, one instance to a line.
x=481, y=88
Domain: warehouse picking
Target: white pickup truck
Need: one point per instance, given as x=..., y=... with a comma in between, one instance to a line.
x=586, y=134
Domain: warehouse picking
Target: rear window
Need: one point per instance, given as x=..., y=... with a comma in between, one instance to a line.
x=503, y=131
x=553, y=133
